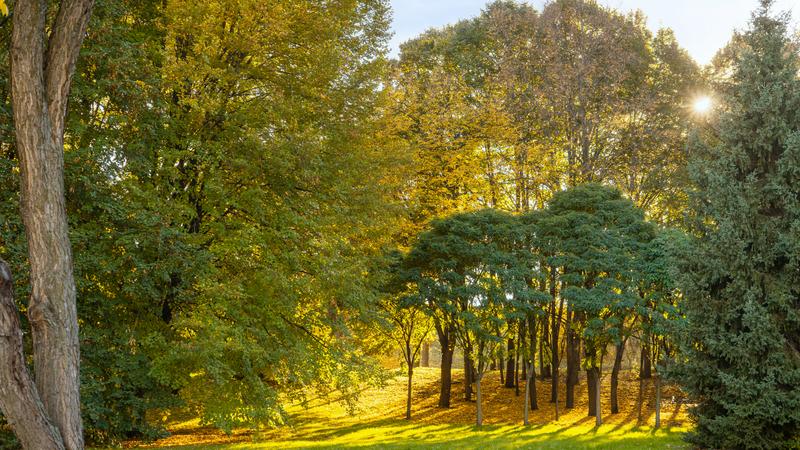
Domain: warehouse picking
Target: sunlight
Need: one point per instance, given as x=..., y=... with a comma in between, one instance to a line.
x=702, y=105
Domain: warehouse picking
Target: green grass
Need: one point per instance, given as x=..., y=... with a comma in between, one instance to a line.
x=399, y=434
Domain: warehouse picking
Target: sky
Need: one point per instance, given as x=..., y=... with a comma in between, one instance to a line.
x=701, y=26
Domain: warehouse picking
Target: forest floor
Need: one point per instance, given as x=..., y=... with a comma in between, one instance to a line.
x=379, y=421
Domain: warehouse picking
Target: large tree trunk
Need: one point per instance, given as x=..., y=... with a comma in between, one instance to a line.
x=19, y=399
x=615, y=377
x=425, y=357
x=41, y=76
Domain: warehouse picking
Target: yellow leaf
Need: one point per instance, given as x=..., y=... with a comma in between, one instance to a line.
x=3, y=8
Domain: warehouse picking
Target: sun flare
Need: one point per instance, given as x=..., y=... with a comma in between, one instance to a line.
x=702, y=105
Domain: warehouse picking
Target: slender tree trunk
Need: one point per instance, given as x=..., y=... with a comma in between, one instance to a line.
x=544, y=369
x=591, y=388
x=479, y=400
x=597, y=408
x=555, y=359
x=520, y=344
x=530, y=385
x=469, y=370
x=645, y=371
x=42, y=66
x=530, y=393
x=572, y=368
x=408, y=396
x=615, y=377
x=510, y=364
x=516, y=363
x=19, y=399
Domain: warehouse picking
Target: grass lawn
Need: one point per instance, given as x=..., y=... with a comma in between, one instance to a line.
x=399, y=434
x=379, y=423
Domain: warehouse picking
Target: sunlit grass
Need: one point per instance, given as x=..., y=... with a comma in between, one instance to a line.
x=379, y=423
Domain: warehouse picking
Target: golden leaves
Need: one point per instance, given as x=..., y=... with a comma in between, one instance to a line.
x=3, y=8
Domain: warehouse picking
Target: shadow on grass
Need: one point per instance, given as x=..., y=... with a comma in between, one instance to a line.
x=399, y=434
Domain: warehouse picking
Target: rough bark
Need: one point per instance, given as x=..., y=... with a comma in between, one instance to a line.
x=19, y=399
x=615, y=377
x=41, y=75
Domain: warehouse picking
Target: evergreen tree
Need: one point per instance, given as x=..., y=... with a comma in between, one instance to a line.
x=742, y=353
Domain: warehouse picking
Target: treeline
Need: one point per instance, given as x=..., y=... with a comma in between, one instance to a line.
x=237, y=172
x=580, y=277
x=232, y=167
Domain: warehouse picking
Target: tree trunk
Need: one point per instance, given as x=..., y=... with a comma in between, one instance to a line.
x=572, y=367
x=591, y=388
x=645, y=370
x=425, y=357
x=597, y=408
x=41, y=76
x=446, y=372
x=502, y=373
x=531, y=375
x=479, y=401
x=615, y=377
x=510, y=364
x=544, y=369
x=554, y=356
x=468, y=372
x=408, y=396
x=516, y=364
x=530, y=393
x=19, y=399
x=520, y=344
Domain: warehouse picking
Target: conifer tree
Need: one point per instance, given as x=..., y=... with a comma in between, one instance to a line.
x=742, y=356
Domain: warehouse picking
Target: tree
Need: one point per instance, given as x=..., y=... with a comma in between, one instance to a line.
x=407, y=325
x=42, y=65
x=467, y=269
x=740, y=360
x=595, y=236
